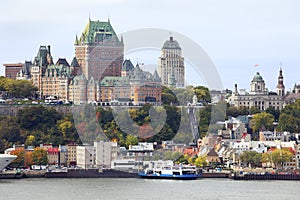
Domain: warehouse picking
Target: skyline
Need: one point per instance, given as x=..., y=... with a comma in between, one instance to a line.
x=235, y=35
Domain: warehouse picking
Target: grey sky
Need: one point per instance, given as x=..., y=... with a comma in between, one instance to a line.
x=235, y=34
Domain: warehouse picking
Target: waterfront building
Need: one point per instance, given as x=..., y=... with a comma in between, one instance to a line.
x=85, y=157
x=297, y=155
x=52, y=155
x=171, y=64
x=71, y=154
x=259, y=96
x=106, y=152
x=99, y=51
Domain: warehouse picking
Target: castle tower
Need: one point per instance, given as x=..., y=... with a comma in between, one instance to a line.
x=280, y=86
x=171, y=63
x=99, y=51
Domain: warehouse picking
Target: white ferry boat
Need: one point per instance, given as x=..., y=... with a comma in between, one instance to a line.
x=181, y=172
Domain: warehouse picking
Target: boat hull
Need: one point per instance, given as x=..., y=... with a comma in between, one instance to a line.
x=167, y=176
x=6, y=160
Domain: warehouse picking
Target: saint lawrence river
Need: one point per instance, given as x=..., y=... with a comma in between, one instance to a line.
x=132, y=189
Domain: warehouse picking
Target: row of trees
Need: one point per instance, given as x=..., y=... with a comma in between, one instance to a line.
x=274, y=158
x=16, y=88
x=35, y=125
x=288, y=119
x=27, y=158
x=180, y=158
x=182, y=96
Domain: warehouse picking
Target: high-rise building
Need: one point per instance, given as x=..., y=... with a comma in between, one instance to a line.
x=171, y=64
x=99, y=51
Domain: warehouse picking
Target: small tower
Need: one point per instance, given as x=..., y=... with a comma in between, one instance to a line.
x=280, y=86
x=195, y=100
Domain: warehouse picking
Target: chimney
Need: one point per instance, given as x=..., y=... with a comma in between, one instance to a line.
x=171, y=38
x=235, y=89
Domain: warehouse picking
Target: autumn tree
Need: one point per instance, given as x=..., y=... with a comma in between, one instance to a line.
x=201, y=161
x=19, y=161
x=280, y=156
x=39, y=156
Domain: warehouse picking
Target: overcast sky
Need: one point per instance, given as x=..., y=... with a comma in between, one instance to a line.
x=235, y=34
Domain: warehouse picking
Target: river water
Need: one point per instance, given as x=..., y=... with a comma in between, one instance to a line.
x=132, y=189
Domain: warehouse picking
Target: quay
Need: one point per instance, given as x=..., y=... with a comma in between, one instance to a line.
x=291, y=177
x=71, y=173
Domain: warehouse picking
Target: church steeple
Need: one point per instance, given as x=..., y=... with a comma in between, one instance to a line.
x=280, y=86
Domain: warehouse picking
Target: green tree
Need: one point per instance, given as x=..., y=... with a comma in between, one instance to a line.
x=254, y=110
x=38, y=118
x=10, y=130
x=289, y=119
x=39, y=156
x=262, y=121
x=234, y=111
x=17, y=88
x=202, y=94
x=168, y=96
x=280, y=156
x=204, y=116
x=131, y=140
x=274, y=112
x=251, y=158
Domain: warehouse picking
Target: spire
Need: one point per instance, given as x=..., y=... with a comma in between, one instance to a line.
x=156, y=76
x=76, y=40
x=280, y=86
x=89, y=16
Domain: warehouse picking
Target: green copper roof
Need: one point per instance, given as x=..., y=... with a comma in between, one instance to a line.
x=96, y=31
x=115, y=81
x=257, y=77
x=74, y=62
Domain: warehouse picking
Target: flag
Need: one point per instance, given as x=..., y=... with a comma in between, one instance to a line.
x=256, y=65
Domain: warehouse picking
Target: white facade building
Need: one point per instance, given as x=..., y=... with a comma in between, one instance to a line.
x=259, y=96
x=85, y=156
x=171, y=64
x=105, y=153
